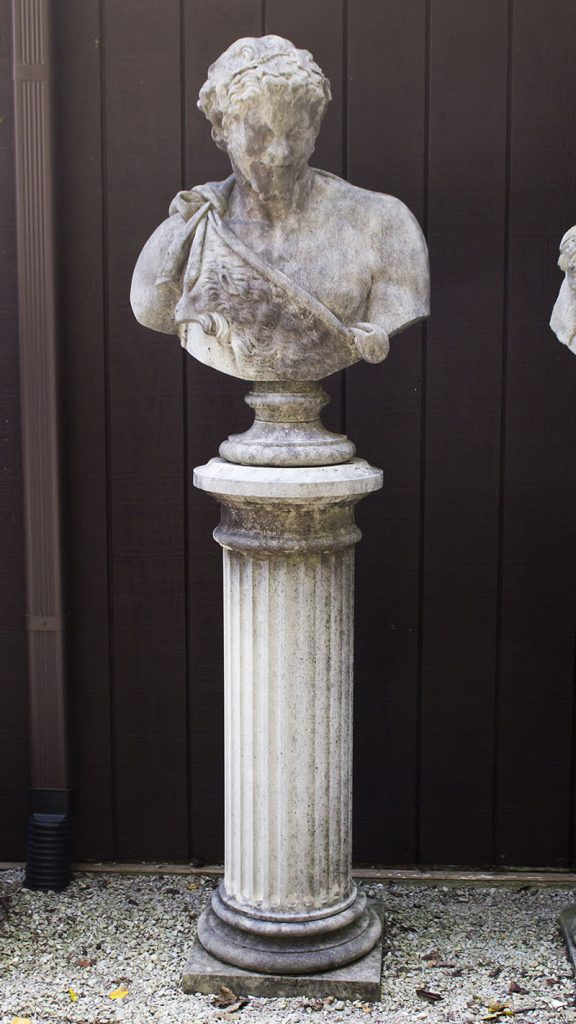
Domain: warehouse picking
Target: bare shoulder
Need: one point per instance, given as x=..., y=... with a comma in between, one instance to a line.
x=363, y=201
x=393, y=246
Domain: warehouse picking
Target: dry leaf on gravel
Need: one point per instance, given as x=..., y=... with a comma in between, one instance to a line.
x=442, y=963
x=21, y=1020
x=73, y=995
x=430, y=997
x=516, y=989
x=228, y=1000
x=499, y=1010
x=118, y=993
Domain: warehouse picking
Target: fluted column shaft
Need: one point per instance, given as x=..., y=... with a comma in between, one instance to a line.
x=288, y=903
x=288, y=715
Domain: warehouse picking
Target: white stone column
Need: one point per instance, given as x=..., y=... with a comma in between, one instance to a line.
x=288, y=904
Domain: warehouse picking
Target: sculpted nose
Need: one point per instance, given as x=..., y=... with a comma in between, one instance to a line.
x=279, y=151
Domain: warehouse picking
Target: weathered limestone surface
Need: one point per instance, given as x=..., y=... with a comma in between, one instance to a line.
x=358, y=980
x=287, y=430
x=283, y=274
x=288, y=537
x=563, y=321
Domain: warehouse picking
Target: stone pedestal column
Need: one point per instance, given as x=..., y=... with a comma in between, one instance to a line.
x=288, y=904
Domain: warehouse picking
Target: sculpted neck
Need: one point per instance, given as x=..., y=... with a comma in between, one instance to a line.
x=247, y=204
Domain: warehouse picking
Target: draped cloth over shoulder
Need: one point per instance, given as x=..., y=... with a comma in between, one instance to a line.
x=236, y=311
x=192, y=208
x=254, y=314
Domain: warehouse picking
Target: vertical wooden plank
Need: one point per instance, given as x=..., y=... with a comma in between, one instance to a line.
x=214, y=409
x=539, y=567
x=14, y=781
x=467, y=174
x=78, y=157
x=141, y=51
x=386, y=134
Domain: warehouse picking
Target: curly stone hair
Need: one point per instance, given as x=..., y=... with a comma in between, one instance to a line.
x=567, y=259
x=251, y=65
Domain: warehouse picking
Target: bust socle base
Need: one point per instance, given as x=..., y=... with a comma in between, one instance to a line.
x=287, y=429
x=287, y=905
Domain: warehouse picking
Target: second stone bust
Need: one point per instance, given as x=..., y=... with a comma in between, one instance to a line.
x=281, y=272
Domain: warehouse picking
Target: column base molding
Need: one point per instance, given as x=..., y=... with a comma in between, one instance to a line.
x=272, y=946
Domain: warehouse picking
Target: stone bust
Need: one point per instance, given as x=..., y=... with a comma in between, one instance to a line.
x=281, y=272
x=563, y=321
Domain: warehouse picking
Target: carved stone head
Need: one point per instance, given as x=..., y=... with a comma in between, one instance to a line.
x=265, y=100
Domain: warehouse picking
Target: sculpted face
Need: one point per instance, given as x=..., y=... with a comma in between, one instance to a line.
x=571, y=268
x=270, y=137
x=567, y=260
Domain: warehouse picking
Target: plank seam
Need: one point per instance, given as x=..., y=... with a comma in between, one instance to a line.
x=502, y=475
x=186, y=469
x=345, y=63
x=107, y=415
x=423, y=414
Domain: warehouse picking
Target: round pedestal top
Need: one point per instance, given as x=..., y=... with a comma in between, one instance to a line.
x=348, y=480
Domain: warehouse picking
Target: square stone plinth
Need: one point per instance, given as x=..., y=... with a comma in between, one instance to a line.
x=360, y=980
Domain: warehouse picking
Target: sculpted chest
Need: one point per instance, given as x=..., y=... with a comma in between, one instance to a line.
x=333, y=263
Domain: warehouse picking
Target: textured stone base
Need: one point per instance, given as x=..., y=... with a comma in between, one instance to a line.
x=269, y=945
x=360, y=980
x=568, y=924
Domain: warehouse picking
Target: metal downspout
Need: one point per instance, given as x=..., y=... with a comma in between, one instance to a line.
x=48, y=851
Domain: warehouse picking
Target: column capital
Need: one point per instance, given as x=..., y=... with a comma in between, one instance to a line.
x=270, y=510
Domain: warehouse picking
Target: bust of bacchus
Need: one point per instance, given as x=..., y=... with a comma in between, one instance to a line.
x=280, y=272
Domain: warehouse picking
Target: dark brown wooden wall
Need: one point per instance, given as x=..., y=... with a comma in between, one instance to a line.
x=466, y=584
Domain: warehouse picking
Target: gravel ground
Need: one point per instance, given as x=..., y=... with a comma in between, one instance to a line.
x=476, y=950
